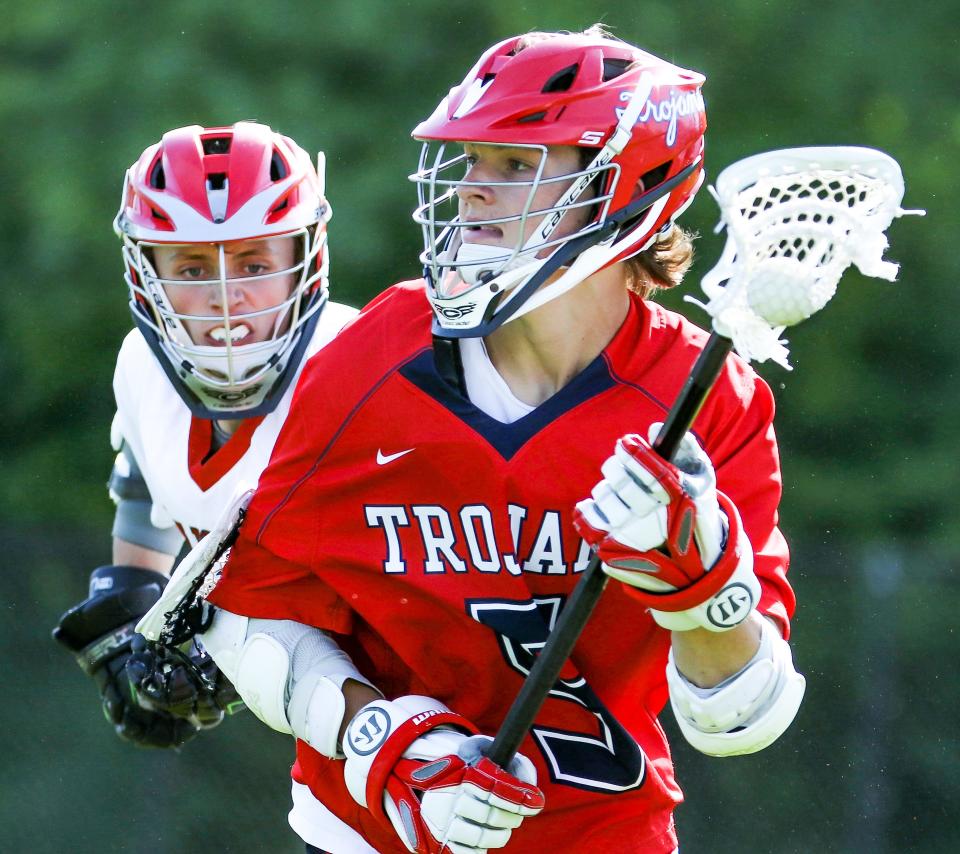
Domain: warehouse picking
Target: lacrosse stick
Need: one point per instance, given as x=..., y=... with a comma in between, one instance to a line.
x=795, y=219
x=181, y=610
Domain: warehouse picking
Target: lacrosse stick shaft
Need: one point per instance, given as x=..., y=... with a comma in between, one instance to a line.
x=694, y=392
x=578, y=608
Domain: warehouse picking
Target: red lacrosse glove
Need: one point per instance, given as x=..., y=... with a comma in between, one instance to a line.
x=419, y=768
x=663, y=529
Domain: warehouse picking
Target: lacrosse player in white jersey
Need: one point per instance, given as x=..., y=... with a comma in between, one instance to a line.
x=224, y=233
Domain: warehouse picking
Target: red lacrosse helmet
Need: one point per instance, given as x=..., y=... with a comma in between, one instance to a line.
x=640, y=122
x=218, y=190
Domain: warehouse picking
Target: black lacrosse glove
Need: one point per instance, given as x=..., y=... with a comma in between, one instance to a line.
x=184, y=684
x=99, y=632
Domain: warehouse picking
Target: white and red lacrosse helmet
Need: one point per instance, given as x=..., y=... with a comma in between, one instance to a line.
x=213, y=186
x=641, y=123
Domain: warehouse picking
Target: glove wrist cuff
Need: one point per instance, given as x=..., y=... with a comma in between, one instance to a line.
x=91, y=658
x=377, y=737
x=713, y=581
x=737, y=598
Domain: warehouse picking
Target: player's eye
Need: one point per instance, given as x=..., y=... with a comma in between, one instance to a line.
x=192, y=272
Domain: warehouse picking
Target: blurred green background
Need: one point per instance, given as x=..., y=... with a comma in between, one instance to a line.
x=867, y=420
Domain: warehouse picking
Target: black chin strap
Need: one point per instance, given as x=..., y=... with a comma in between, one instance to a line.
x=446, y=356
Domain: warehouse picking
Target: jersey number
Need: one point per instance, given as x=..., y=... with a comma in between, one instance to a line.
x=606, y=760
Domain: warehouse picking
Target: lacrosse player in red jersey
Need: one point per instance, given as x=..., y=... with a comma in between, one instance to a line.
x=224, y=243
x=434, y=495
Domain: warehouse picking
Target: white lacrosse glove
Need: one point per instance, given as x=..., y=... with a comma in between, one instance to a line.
x=666, y=531
x=419, y=768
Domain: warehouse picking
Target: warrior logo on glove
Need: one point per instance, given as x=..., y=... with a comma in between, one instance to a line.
x=369, y=730
x=421, y=771
x=730, y=606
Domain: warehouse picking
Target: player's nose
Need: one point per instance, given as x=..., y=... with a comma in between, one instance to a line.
x=228, y=293
x=476, y=184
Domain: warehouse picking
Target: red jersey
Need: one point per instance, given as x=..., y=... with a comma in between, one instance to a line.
x=438, y=544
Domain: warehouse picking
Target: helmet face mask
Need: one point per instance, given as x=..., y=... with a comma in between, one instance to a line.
x=228, y=328
x=536, y=223
x=637, y=123
x=224, y=245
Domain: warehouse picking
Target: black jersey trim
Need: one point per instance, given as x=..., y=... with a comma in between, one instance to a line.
x=622, y=381
x=507, y=439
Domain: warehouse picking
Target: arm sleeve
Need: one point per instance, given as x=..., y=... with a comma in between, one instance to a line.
x=743, y=448
x=131, y=521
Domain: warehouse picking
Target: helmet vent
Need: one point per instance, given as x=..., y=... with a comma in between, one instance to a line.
x=216, y=145
x=533, y=117
x=562, y=80
x=655, y=176
x=278, y=169
x=157, y=215
x=614, y=68
x=157, y=179
x=218, y=190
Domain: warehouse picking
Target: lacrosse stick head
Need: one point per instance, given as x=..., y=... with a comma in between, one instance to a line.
x=182, y=610
x=796, y=219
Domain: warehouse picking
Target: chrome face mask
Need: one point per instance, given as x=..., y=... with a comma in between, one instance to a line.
x=464, y=276
x=230, y=376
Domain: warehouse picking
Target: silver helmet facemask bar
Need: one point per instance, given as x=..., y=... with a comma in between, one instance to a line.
x=445, y=248
x=235, y=380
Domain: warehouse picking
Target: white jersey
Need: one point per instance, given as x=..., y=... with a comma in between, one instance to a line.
x=190, y=487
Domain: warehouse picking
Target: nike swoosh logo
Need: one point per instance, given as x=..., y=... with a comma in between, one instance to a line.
x=383, y=459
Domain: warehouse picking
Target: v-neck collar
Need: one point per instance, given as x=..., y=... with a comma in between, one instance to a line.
x=507, y=439
x=208, y=468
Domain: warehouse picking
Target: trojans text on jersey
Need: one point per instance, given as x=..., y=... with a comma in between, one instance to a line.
x=429, y=538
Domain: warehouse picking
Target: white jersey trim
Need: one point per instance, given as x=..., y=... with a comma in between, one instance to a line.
x=155, y=424
x=319, y=827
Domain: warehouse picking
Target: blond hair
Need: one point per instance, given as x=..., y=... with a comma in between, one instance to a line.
x=663, y=265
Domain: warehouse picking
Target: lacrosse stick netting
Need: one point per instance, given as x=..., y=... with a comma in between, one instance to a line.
x=795, y=220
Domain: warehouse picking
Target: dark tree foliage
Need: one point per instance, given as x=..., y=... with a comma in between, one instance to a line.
x=867, y=420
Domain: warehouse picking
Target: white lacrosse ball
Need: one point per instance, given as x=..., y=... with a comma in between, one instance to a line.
x=783, y=292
